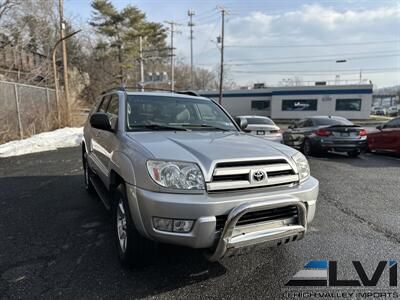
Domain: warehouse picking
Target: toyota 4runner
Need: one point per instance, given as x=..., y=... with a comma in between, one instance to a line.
x=175, y=168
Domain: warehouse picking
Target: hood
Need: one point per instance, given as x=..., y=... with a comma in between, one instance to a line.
x=207, y=148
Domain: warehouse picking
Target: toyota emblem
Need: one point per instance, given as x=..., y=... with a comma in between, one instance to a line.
x=259, y=176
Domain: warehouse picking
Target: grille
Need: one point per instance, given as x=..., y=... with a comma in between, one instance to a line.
x=220, y=222
x=241, y=175
x=280, y=213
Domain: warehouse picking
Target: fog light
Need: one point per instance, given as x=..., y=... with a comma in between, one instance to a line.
x=182, y=225
x=162, y=224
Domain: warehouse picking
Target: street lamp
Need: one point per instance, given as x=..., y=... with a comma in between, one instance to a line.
x=53, y=54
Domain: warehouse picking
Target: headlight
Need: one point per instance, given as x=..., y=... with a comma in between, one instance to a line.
x=176, y=175
x=302, y=166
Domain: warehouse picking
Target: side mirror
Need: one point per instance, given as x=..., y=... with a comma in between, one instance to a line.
x=380, y=126
x=242, y=123
x=100, y=120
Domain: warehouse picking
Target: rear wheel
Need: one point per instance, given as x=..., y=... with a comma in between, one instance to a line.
x=354, y=153
x=133, y=249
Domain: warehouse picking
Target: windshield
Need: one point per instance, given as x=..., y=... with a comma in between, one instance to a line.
x=331, y=121
x=170, y=113
x=264, y=121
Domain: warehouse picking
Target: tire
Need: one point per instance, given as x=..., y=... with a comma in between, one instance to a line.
x=354, y=154
x=133, y=249
x=307, y=148
x=87, y=172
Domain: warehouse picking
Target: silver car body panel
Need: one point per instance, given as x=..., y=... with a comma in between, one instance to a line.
x=126, y=153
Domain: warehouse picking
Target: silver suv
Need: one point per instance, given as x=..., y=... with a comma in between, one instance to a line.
x=175, y=168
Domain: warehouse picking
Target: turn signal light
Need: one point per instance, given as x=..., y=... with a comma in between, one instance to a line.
x=323, y=132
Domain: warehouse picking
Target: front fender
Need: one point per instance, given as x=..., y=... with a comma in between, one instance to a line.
x=121, y=164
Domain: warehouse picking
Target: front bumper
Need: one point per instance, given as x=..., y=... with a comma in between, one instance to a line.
x=203, y=208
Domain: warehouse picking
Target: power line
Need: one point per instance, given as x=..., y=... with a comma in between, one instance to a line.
x=316, y=56
x=316, y=72
x=315, y=45
x=311, y=61
x=207, y=40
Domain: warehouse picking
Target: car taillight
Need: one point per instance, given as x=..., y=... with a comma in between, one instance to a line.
x=323, y=132
x=362, y=132
x=276, y=131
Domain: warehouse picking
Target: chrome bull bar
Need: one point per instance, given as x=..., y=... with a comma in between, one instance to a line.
x=236, y=237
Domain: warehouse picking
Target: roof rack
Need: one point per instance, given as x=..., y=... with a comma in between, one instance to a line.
x=125, y=88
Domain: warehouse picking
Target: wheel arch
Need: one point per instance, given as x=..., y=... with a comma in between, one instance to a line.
x=115, y=180
x=121, y=168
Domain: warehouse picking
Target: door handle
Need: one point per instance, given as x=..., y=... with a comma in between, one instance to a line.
x=98, y=133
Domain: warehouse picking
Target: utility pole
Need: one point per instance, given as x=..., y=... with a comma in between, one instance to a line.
x=172, y=24
x=141, y=63
x=64, y=59
x=56, y=85
x=221, y=75
x=191, y=13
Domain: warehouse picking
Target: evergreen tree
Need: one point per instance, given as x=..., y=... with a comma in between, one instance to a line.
x=120, y=32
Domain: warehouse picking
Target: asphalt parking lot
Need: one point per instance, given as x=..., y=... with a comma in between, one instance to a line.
x=55, y=239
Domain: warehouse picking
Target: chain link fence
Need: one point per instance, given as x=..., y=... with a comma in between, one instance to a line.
x=27, y=110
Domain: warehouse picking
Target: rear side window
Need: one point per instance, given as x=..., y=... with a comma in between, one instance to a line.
x=299, y=124
x=331, y=121
x=308, y=123
x=263, y=121
x=393, y=123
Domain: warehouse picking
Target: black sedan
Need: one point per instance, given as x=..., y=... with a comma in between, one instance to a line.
x=315, y=135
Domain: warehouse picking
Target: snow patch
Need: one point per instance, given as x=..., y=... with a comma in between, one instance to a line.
x=46, y=141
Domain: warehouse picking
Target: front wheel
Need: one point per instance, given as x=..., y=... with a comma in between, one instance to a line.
x=307, y=148
x=133, y=249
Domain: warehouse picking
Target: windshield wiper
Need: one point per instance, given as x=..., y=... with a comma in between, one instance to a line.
x=160, y=127
x=208, y=127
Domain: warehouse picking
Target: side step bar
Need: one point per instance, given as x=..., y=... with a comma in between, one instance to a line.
x=101, y=191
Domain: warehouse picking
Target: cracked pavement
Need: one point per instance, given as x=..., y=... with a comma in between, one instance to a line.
x=55, y=239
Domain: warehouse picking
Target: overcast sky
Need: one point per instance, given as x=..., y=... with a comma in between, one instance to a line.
x=269, y=41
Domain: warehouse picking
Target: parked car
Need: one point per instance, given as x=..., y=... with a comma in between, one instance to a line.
x=261, y=126
x=386, y=138
x=319, y=134
x=177, y=169
x=379, y=111
x=392, y=111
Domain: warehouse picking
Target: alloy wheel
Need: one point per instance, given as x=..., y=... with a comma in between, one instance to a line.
x=121, y=226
